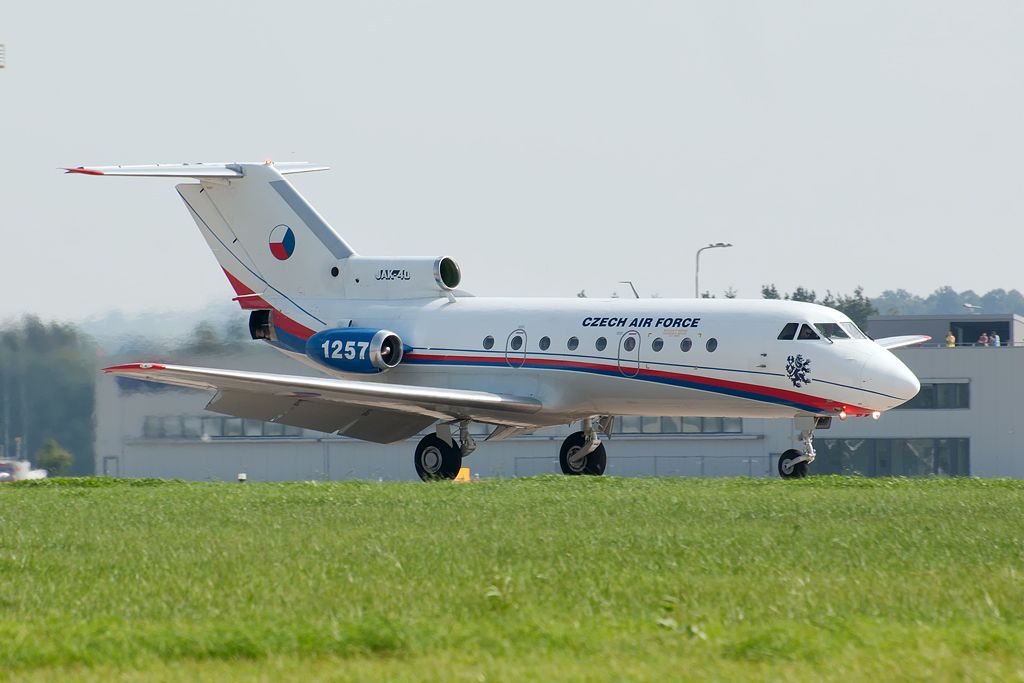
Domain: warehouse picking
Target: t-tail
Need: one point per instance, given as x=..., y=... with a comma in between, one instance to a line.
x=278, y=253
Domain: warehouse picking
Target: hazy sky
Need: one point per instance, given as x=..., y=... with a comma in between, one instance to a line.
x=548, y=146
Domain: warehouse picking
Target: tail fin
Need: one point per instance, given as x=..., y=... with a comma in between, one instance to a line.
x=267, y=238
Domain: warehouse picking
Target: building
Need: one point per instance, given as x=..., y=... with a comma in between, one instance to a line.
x=962, y=423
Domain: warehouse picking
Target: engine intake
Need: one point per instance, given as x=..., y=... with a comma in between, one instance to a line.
x=356, y=349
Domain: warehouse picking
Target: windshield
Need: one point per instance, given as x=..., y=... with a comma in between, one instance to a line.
x=853, y=331
x=831, y=331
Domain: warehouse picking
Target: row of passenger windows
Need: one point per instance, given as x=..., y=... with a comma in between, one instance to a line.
x=818, y=330
x=516, y=343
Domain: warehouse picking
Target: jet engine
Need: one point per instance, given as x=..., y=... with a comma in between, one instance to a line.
x=356, y=349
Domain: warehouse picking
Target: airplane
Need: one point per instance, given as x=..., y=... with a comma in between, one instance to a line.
x=402, y=347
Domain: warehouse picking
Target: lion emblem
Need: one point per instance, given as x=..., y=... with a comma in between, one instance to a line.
x=798, y=369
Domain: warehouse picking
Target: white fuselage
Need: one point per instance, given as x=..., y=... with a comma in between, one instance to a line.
x=694, y=357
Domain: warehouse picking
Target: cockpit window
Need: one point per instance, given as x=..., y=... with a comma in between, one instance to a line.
x=788, y=331
x=807, y=332
x=853, y=330
x=832, y=331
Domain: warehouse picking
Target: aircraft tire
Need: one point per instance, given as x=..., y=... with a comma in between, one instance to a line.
x=592, y=463
x=436, y=460
x=797, y=471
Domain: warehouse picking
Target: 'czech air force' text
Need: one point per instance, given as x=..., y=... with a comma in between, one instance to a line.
x=640, y=322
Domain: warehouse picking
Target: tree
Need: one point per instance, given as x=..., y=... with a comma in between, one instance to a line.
x=857, y=307
x=53, y=458
x=47, y=388
x=730, y=293
x=769, y=292
x=801, y=294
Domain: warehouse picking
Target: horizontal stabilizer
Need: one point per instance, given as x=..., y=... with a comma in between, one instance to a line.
x=899, y=342
x=197, y=170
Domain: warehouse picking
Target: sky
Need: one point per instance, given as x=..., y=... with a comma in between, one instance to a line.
x=549, y=147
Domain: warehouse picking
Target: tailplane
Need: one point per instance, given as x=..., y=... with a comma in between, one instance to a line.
x=270, y=242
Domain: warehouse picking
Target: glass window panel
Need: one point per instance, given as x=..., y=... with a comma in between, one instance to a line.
x=788, y=331
x=712, y=425
x=192, y=427
x=860, y=457
x=631, y=424
x=151, y=427
x=686, y=345
x=273, y=429
x=601, y=343
x=732, y=425
x=711, y=345
x=691, y=425
x=832, y=330
x=671, y=425
x=488, y=342
x=545, y=342
x=232, y=426
x=172, y=427
x=657, y=344
x=252, y=428
x=807, y=333
x=292, y=431
x=573, y=343
x=213, y=426
x=651, y=425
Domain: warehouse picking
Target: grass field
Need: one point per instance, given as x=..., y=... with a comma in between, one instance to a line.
x=553, y=578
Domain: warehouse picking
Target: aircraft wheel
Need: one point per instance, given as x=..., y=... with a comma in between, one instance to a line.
x=790, y=470
x=572, y=462
x=437, y=460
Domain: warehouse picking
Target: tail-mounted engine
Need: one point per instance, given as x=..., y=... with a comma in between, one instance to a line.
x=356, y=349
x=397, y=277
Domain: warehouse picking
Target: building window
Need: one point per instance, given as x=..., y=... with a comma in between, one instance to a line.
x=893, y=457
x=203, y=427
x=631, y=424
x=940, y=396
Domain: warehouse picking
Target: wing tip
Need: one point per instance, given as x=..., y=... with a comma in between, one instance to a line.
x=135, y=367
x=83, y=171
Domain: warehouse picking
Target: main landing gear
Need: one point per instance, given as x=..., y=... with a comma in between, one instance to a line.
x=439, y=456
x=582, y=452
x=794, y=464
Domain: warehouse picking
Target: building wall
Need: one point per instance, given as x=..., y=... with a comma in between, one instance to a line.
x=124, y=449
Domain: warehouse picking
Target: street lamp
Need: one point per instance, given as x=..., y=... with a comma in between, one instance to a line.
x=696, y=277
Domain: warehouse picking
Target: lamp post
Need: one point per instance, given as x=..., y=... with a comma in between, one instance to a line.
x=696, y=276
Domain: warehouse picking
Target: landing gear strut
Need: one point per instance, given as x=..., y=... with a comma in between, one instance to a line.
x=582, y=452
x=794, y=464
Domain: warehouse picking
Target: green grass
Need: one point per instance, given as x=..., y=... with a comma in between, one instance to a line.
x=553, y=578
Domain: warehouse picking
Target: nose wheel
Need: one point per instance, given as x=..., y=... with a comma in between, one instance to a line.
x=794, y=464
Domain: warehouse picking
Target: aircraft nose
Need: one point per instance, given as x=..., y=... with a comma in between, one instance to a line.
x=886, y=374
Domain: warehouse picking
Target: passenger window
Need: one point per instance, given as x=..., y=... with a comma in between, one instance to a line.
x=601, y=343
x=488, y=342
x=807, y=332
x=516, y=343
x=685, y=345
x=712, y=345
x=657, y=344
x=573, y=343
x=629, y=344
x=545, y=342
x=788, y=331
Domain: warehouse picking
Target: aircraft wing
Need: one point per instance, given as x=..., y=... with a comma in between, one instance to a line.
x=372, y=411
x=899, y=342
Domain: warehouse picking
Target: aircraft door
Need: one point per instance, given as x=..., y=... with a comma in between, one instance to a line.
x=515, y=348
x=629, y=353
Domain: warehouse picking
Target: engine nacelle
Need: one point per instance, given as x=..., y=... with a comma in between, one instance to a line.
x=398, y=277
x=356, y=349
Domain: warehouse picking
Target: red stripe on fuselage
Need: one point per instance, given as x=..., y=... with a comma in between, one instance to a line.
x=249, y=302
x=782, y=394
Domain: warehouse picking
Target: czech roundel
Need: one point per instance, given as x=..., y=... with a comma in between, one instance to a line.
x=282, y=242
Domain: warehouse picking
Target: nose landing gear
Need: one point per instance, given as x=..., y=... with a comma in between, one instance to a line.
x=794, y=464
